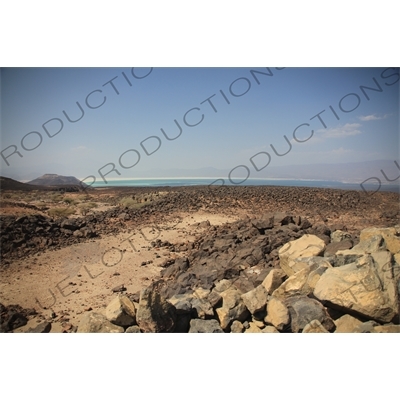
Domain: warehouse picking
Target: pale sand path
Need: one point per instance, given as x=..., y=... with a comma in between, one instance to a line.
x=71, y=280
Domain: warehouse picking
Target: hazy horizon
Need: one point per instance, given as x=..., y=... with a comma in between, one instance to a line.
x=369, y=172
x=252, y=122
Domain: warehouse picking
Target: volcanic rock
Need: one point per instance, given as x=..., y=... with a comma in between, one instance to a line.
x=391, y=237
x=269, y=329
x=154, y=313
x=314, y=327
x=133, y=329
x=303, y=310
x=205, y=326
x=44, y=327
x=366, y=287
x=277, y=314
x=347, y=324
x=232, y=308
x=273, y=280
x=256, y=299
x=306, y=246
x=121, y=311
x=93, y=322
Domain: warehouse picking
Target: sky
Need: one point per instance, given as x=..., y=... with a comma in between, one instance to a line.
x=226, y=117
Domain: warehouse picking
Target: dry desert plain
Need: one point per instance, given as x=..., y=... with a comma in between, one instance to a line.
x=65, y=254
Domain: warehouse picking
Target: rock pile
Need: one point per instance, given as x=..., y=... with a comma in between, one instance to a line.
x=274, y=274
x=22, y=236
x=29, y=234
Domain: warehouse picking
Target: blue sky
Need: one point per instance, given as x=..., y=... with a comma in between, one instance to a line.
x=258, y=116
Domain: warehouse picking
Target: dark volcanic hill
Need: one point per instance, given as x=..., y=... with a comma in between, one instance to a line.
x=56, y=180
x=51, y=182
x=11, y=184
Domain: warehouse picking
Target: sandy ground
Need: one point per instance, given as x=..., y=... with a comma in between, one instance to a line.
x=62, y=284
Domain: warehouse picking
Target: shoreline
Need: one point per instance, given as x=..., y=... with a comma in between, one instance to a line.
x=371, y=188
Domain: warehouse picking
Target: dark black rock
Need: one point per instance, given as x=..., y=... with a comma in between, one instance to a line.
x=155, y=313
x=281, y=218
x=70, y=224
x=16, y=320
x=264, y=223
x=44, y=327
x=182, y=324
x=304, y=310
x=119, y=288
x=332, y=248
x=325, y=238
x=305, y=224
x=321, y=229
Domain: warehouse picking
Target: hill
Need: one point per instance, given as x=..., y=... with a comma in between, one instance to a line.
x=46, y=182
x=11, y=184
x=56, y=180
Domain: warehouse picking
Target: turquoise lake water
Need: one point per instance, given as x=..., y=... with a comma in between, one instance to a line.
x=160, y=182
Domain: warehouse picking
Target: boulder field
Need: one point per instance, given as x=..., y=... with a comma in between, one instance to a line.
x=277, y=273
x=274, y=274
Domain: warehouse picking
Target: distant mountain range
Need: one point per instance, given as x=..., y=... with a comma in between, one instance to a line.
x=353, y=172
